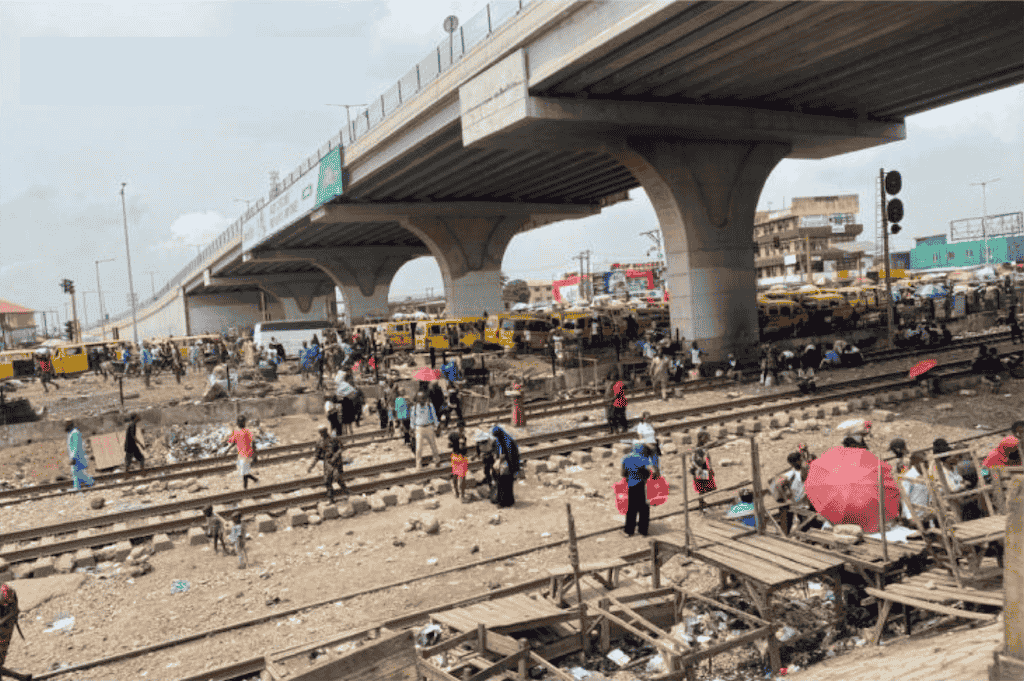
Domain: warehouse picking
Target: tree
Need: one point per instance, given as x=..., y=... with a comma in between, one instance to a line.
x=516, y=291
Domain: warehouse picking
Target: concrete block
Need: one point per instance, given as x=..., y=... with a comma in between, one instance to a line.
x=416, y=493
x=44, y=567
x=4, y=565
x=720, y=433
x=196, y=536
x=84, y=558
x=605, y=452
x=841, y=409
x=327, y=511
x=122, y=550
x=471, y=482
x=265, y=523
x=377, y=504
x=737, y=428
x=296, y=517
x=882, y=416
x=314, y=519
x=535, y=466
x=819, y=413
x=22, y=570
x=754, y=426
x=389, y=498
x=586, y=457
x=359, y=504
x=6, y=576
x=162, y=542
x=65, y=563
x=852, y=405
x=442, y=487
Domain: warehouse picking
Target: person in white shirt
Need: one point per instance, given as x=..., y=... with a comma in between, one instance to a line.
x=659, y=374
x=647, y=435
x=914, y=485
x=696, y=357
x=426, y=426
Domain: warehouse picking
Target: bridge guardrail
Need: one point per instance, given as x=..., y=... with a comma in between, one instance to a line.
x=477, y=29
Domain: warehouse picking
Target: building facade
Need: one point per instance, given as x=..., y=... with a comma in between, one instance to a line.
x=17, y=325
x=811, y=240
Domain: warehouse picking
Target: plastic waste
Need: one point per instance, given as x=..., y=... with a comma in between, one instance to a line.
x=180, y=586
x=656, y=665
x=428, y=636
x=618, y=657
x=63, y=623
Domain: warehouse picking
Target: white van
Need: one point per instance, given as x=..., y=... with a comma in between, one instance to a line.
x=291, y=334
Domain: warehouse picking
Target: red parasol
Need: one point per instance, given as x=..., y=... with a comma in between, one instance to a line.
x=427, y=374
x=843, y=487
x=922, y=367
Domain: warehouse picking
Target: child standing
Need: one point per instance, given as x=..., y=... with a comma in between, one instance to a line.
x=214, y=528
x=703, y=474
x=237, y=539
x=460, y=465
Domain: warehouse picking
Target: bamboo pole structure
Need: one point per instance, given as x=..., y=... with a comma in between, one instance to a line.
x=881, y=515
x=574, y=560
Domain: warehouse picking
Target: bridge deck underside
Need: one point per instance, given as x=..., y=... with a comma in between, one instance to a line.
x=445, y=170
x=879, y=60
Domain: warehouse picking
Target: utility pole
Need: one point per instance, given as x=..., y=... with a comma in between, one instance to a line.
x=152, y=281
x=85, y=308
x=580, y=258
x=128, y=254
x=885, y=254
x=807, y=258
x=99, y=293
x=45, y=334
x=984, y=215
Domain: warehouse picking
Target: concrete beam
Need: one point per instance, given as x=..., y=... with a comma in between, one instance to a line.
x=390, y=212
x=257, y=280
x=354, y=253
x=575, y=124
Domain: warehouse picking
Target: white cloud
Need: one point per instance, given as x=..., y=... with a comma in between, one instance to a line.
x=194, y=228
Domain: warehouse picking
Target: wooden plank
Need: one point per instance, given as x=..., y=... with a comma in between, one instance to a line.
x=670, y=645
x=392, y=658
x=107, y=450
x=940, y=595
x=764, y=574
x=501, y=664
x=758, y=557
x=808, y=559
x=455, y=619
x=927, y=605
x=795, y=548
x=453, y=642
x=432, y=673
x=551, y=668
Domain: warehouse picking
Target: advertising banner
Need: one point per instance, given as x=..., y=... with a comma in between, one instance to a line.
x=566, y=291
x=314, y=188
x=620, y=282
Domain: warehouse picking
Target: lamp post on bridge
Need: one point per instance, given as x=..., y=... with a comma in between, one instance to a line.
x=984, y=216
x=99, y=294
x=131, y=284
x=348, y=118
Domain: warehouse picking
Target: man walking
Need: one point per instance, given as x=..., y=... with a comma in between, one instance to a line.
x=147, y=362
x=402, y=417
x=78, y=457
x=132, y=450
x=328, y=450
x=636, y=469
x=659, y=374
x=424, y=420
x=242, y=439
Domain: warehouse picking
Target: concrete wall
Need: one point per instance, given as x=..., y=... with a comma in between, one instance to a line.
x=217, y=312
x=221, y=412
x=165, y=317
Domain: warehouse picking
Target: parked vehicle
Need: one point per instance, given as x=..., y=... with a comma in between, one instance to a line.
x=781, y=317
x=291, y=334
x=524, y=332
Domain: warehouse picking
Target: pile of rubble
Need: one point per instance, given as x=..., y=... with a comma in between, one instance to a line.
x=184, y=443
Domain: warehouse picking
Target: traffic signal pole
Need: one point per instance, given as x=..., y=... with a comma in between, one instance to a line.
x=885, y=254
x=74, y=316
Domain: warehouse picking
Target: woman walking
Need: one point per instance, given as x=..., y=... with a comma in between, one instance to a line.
x=703, y=474
x=507, y=463
x=617, y=415
x=518, y=415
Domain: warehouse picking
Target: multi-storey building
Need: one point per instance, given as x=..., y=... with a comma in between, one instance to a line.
x=808, y=241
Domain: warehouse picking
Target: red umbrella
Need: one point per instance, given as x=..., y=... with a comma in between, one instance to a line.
x=922, y=367
x=427, y=374
x=843, y=487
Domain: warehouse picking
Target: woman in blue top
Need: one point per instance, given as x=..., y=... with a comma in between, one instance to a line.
x=507, y=463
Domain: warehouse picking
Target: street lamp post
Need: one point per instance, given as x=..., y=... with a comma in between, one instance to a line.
x=99, y=293
x=348, y=118
x=128, y=255
x=984, y=216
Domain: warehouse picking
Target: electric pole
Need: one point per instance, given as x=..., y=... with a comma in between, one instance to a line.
x=99, y=294
x=984, y=216
x=152, y=282
x=128, y=254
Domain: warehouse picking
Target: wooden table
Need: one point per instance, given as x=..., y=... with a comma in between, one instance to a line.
x=761, y=563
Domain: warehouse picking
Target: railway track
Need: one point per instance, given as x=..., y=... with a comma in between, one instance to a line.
x=284, y=453
x=179, y=516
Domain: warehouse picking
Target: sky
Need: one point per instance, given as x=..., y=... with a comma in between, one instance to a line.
x=193, y=104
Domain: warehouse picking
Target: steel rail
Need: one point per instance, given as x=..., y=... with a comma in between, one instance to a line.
x=548, y=408
x=179, y=524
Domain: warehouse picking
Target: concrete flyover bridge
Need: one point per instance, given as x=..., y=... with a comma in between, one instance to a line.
x=551, y=110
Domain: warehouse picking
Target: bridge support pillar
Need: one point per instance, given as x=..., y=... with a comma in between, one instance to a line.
x=705, y=195
x=364, y=274
x=469, y=251
x=298, y=298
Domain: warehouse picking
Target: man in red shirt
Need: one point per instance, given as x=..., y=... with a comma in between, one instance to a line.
x=1007, y=452
x=242, y=439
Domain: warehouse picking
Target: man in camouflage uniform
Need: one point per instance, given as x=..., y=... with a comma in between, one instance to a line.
x=8, y=623
x=328, y=449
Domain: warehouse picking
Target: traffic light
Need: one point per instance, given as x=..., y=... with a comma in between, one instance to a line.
x=67, y=286
x=893, y=207
x=69, y=329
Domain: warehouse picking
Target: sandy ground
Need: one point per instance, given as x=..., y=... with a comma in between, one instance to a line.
x=114, y=613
